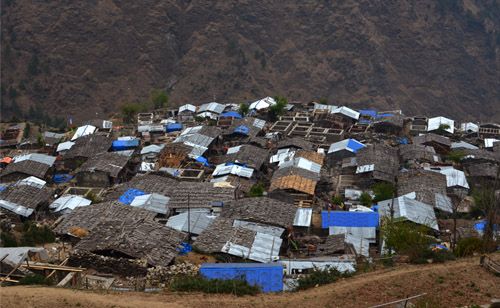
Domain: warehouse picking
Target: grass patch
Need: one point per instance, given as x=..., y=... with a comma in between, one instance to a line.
x=33, y=279
x=200, y=284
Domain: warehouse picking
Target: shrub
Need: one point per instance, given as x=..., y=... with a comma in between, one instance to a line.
x=320, y=277
x=337, y=200
x=455, y=156
x=406, y=238
x=244, y=109
x=32, y=279
x=8, y=240
x=383, y=191
x=468, y=246
x=159, y=99
x=200, y=284
x=32, y=234
x=257, y=190
x=365, y=199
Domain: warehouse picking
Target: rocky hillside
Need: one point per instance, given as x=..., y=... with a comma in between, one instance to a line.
x=80, y=58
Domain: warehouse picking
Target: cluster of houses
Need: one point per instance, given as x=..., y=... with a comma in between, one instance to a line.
x=266, y=188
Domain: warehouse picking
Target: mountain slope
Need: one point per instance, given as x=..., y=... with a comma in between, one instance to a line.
x=79, y=58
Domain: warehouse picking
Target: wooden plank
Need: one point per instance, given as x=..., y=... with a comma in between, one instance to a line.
x=66, y=279
x=54, y=271
x=399, y=301
x=48, y=266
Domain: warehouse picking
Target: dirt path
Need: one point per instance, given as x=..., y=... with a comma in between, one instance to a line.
x=451, y=284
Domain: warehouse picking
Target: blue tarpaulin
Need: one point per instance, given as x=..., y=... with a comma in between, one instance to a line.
x=231, y=114
x=403, y=140
x=184, y=248
x=242, y=129
x=61, y=178
x=120, y=145
x=2, y=188
x=202, y=160
x=129, y=195
x=354, y=145
x=173, y=127
x=268, y=276
x=348, y=219
x=368, y=112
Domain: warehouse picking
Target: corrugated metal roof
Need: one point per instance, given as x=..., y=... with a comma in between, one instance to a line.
x=282, y=156
x=407, y=207
x=443, y=202
x=347, y=112
x=263, y=103
x=463, y=145
x=359, y=237
x=469, y=127
x=41, y=158
x=454, y=177
x=211, y=107
x=349, y=219
x=302, y=163
x=233, y=150
x=365, y=168
x=83, y=131
x=69, y=202
x=199, y=219
x=434, y=123
x=303, y=217
x=271, y=230
x=16, y=255
x=187, y=107
x=351, y=145
x=32, y=181
x=265, y=248
x=16, y=208
x=330, y=108
x=223, y=169
x=259, y=123
x=64, y=146
x=342, y=265
x=153, y=148
x=152, y=202
x=488, y=142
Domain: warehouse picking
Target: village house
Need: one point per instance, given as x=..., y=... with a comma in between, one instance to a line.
x=103, y=170
x=25, y=197
x=85, y=148
x=378, y=162
x=441, y=144
x=22, y=166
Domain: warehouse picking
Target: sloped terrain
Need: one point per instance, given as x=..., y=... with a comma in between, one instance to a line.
x=85, y=57
x=453, y=284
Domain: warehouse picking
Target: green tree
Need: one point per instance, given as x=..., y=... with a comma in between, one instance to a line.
x=27, y=130
x=456, y=156
x=278, y=108
x=244, y=108
x=487, y=202
x=383, y=191
x=159, y=99
x=130, y=110
x=366, y=199
x=257, y=190
x=406, y=238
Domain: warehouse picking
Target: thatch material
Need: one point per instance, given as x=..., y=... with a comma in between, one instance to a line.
x=311, y=155
x=261, y=210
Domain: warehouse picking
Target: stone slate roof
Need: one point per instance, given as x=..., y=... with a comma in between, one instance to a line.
x=333, y=244
x=108, y=162
x=480, y=155
x=430, y=137
x=89, y=217
x=486, y=169
x=384, y=158
x=261, y=210
x=138, y=238
x=201, y=194
x=417, y=152
x=424, y=183
x=220, y=231
x=26, y=195
x=300, y=143
x=89, y=146
x=28, y=167
x=251, y=155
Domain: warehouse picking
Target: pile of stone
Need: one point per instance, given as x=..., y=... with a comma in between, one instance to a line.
x=160, y=276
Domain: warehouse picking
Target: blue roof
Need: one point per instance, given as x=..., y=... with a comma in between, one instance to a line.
x=173, y=127
x=368, y=112
x=242, y=129
x=129, y=195
x=62, y=178
x=355, y=145
x=240, y=265
x=202, y=160
x=125, y=144
x=385, y=115
x=348, y=219
x=231, y=114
